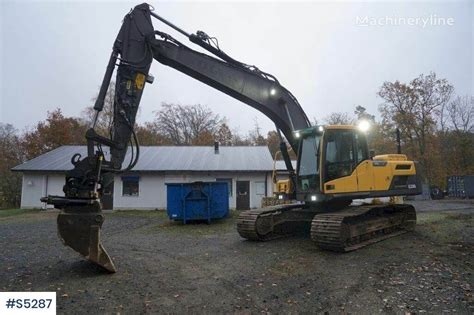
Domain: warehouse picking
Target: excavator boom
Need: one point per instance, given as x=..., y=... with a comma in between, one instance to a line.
x=136, y=46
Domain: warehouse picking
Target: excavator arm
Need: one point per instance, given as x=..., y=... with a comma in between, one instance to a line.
x=253, y=89
x=134, y=49
x=137, y=43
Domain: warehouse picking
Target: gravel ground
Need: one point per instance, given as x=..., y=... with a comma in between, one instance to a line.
x=166, y=267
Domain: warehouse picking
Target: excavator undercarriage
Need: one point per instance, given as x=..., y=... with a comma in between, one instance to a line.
x=342, y=230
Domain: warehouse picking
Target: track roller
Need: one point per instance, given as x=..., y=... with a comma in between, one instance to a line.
x=351, y=229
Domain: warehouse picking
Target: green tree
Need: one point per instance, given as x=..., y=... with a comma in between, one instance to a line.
x=273, y=142
x=148, y=134
x=415, y=108
x=54, y=132
x=239, y=140
x=224, y=135
x=204, y=138
x=10, y=182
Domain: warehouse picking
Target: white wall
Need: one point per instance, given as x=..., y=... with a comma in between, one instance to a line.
x=35, y=186
x=150, y=194
x=152, y=188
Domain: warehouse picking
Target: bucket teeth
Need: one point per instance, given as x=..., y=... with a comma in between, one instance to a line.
x=81, y=232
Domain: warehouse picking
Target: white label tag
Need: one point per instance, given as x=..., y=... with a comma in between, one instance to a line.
x=27, y=303
x=412, y=186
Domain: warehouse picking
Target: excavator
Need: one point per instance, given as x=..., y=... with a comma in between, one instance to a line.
x=282, y=185
x=334, y=166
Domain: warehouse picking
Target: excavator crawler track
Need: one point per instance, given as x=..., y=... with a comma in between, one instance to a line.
x=351, y=229
x=272, y=222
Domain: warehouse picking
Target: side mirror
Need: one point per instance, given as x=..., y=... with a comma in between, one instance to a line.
x=371, y=154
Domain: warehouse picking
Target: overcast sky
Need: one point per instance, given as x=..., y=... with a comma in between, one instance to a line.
x=53, y=54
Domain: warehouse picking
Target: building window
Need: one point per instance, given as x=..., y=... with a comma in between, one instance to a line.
x=229, y=183
x=130, y=185
x=260, y=188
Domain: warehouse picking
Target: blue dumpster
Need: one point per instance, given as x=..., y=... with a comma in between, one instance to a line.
x=197, y=201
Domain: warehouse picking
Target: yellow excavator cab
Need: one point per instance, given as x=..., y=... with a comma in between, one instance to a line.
x=283, y=186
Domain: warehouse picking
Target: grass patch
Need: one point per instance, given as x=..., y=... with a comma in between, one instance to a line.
x=198, y=228
x=447, y=228
x=177, y=227
x=429, y=217
x=12, y=212
x=439, y=217
x=140, y=213
x=460, y=216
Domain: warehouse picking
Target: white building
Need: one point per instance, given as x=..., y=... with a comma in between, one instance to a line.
x=247, y=170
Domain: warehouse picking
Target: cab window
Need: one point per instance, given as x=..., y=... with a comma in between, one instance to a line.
x=362, y=151
x=308, y=164
x=340, y=154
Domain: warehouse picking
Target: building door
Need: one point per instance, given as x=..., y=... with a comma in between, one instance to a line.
x=243, y=195
x=108, y=197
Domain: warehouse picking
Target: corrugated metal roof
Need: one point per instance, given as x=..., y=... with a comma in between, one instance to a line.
x=166, y=158
x=281, y=166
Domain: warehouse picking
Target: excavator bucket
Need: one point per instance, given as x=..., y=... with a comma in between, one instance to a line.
x=81, y=232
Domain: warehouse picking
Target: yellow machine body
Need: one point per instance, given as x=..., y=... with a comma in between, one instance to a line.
x=334, y=168
x=372, y=175
x=346, y=171
x=283, y=186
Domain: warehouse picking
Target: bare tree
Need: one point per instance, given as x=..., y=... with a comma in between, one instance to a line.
x=461, y=113
x=339, y=118
x=414, y=108
x=238, y=139
x=361, y=113
x=255, y=135
x=184, y=124
x=106, y=117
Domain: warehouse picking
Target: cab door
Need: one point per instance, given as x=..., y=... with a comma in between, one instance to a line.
x=340, y=161
x=364, y=169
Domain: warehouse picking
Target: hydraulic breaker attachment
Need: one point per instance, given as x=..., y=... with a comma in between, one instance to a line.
x=79, y=225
